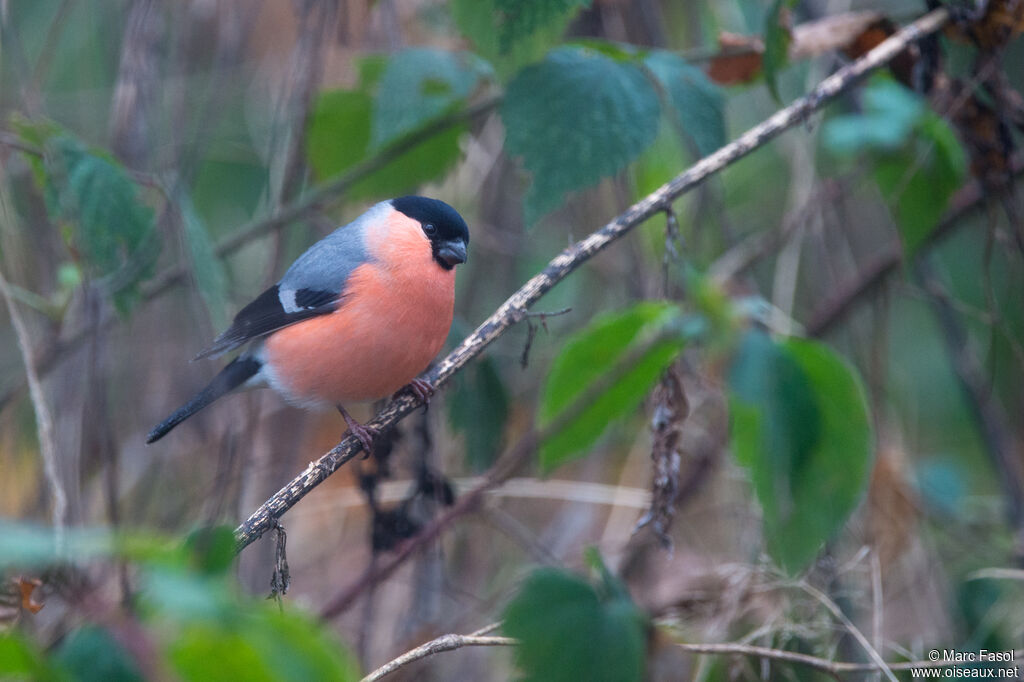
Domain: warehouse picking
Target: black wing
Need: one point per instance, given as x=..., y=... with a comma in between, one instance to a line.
x=269, y=313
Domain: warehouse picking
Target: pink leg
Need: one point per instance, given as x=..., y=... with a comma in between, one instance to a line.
x=365, y=434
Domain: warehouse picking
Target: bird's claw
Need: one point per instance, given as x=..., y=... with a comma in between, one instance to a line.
x=366, y=434
x=421, y=389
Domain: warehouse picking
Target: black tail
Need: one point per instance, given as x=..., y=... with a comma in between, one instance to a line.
x=238, y=371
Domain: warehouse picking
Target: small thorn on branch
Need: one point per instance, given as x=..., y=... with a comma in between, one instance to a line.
x=281, y=579
x=531, y=330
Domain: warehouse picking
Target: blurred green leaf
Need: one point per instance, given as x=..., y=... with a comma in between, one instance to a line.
x=418, y=85
x=294, y=647
x=178, y=593
x=211, y=549
x=942, y=484
x=919, y=183
x=261, y=644
x=426, y=162
x=338, y=139
x=100, y=198
x=890, y=115
x=519, y=19
x=371, y=68
x=568, y=630
x=588, y=356
x=205, y=653
x=478, y=407
x=575, y=118
x=504, y=38
x=19, y=660
x=339, y=131
x=799, y=423
x=919, y=162
x=208, y=269
x=91, y=654
x=696, y=102
x=981, y=606
x=91, y=192
x=24, y=545
x=776, y=46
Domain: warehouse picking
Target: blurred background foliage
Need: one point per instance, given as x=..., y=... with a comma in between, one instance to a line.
x=795, y=395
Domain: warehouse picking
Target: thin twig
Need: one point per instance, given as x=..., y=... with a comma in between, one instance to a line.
x=837, y=612
x=515, y=308
x=436, y=646
x=834, y=668
x=886, y=261
x=44, y=417
x=992, y=423
x=531, y=331
x=823, y=664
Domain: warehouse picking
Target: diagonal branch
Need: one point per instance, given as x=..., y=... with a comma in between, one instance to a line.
x=515, y=308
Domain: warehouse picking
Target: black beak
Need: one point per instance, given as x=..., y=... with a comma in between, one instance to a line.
x=452, y=252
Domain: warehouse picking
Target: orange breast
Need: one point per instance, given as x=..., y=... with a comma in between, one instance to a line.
x=393, y=320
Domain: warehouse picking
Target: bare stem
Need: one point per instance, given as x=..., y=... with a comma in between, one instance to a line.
x=44, y=417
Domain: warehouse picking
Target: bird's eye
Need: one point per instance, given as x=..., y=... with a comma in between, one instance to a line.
x=430, y=229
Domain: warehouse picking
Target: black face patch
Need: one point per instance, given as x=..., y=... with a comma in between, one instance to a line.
x=448, y=225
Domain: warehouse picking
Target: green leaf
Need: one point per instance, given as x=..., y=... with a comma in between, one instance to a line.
x=205, y=653
x=799, y=423
x=890, y=115
x=575, y=118
x=19, y=660
x=776, y=46
x=418, y=85
x=507, y=33
x=294, y=648
x=211, y=549
x=696, y=101
x=919, y=183
x=338, y=139
x=339, y=131
x=568, y=630
x=919, y=162
x=91, y=654
x=593, y=355
x=111, y=227
x=259, y=643
x=211, y=279
x=184, y=595
x=520, y=19
x=478, y=407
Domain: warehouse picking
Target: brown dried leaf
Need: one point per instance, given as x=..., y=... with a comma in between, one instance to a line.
x=892, y=506
x=670, y=411
x=982, y=115
x=27, y=586
x=837, y=32
x=852, y=33
x=902, y=67
x=738, y=60
x=1000, y=22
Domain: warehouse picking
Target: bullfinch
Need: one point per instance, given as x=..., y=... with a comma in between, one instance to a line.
x=356, y=318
